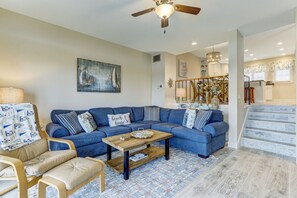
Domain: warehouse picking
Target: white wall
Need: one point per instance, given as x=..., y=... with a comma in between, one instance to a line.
x=41, y=58
x=193, y=64
x=170, y=72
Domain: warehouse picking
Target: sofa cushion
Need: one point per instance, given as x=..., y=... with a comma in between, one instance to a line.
x=87, y=122
x=100, y=115
x=70, y=122
x=117, y=130
x=41, y=164
x=164, y=114
x=124, y=110
x=149, y=122
x=201, y=119
x=135, y=126
x=216, y=116
x=176, y=116
x=151, y=114
x=84, y=138
x=138, y=113
x=166, y=127
x=191, y=134
x=62, y=111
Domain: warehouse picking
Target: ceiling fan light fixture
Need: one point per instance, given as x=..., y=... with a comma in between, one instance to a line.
x=164, y=10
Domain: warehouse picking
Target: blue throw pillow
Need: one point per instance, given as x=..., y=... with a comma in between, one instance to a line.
x=70, y=122
x=202, y=118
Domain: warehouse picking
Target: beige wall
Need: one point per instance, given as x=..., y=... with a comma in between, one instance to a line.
x=282, y=91
x=193, y=63
x=41, y=58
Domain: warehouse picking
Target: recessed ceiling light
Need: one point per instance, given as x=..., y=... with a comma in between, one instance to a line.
x=281, y=49
x=227, y=59
x=194, y=43
x=251, y=54
x=284, y=54
x=246, y=50
x=279, y=43
x=255, y=58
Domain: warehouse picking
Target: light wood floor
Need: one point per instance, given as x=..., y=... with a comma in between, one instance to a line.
x=245, y=174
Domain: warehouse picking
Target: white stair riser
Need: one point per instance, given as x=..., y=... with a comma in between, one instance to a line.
x=283, y=109
x=286, y=127
x=279, y=117
x=280, y=149
x=270, y=136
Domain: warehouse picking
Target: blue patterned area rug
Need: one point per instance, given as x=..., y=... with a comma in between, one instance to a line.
x=159, y=178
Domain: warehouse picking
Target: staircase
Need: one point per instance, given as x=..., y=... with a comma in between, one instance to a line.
x=271, y=129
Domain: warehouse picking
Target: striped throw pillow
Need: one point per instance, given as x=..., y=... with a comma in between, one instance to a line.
x=201, y=119
x=151, y=114
x=70, y=122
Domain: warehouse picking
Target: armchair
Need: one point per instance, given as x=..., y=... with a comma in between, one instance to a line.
x=27, y=164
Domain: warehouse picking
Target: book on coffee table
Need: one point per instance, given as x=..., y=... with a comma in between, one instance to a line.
x=138, y=157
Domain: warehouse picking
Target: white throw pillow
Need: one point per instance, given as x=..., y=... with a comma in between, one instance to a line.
x=189, y=118
x=118, y=119
x=87, y=122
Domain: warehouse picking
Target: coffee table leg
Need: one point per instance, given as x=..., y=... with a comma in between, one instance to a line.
x=167, y=149
x=108, y=152
x=126, y=165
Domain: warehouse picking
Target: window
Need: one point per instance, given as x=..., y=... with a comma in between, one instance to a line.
x=256, y=76
x=283, y=75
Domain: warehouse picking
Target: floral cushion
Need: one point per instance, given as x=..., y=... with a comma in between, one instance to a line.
x=87, y=122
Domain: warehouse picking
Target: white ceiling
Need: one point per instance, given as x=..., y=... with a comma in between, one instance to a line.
x=111, y=20
x=261, y=45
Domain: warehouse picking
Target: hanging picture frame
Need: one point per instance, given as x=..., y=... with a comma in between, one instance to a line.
x=95, y=76
x=182, y=68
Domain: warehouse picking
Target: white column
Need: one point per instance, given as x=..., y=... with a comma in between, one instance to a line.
x=236, y=87
x=296, y=71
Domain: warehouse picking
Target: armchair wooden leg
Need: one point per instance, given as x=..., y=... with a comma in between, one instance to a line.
x=23, y=189
x=102, y=181
x=41, y=190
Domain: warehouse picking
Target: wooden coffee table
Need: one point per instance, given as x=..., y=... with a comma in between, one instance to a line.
x=123, y=164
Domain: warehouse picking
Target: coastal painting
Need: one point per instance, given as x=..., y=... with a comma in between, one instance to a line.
x=95, y=76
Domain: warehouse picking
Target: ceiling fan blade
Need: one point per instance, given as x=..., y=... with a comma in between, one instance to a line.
x=164, y=23
x=143, y=12
x=187, y=9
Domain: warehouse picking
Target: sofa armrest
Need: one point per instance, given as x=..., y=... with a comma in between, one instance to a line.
x=56, y=130
x=216, y=128
x=62, y=141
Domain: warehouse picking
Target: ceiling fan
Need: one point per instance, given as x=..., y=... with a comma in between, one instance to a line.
x=165, y=8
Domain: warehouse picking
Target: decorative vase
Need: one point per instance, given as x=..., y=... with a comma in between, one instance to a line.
x=215, y=102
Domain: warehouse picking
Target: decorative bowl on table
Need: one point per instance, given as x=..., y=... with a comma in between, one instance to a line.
x=142, y=134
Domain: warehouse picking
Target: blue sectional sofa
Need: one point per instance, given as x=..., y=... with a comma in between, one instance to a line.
x=203, y=143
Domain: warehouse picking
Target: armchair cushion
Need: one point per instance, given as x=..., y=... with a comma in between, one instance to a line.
x=26, y=153
x=216, y=128
x=41, y=164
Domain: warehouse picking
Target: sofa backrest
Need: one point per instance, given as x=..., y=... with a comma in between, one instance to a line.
x=138, y=113
x=164, y=114
x=100, y=115
x=123, y=110
x=176, y=116
x=63, y=111
x=216, y=116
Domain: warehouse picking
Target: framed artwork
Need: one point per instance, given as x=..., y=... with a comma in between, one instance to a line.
x=95, y=76
x=182, y=68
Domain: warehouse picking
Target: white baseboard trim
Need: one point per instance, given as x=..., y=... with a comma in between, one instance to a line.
x=233, y=145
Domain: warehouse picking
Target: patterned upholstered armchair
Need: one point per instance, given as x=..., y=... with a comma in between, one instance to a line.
x=27, y=164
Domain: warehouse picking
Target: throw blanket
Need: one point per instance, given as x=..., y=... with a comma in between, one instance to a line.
x=17, y=126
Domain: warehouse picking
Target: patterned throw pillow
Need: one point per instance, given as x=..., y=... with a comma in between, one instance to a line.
x=189, y=118
x=118, y=119
x=201, y=119
x=70, y=122
x=151, y=114
x=87, y=122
